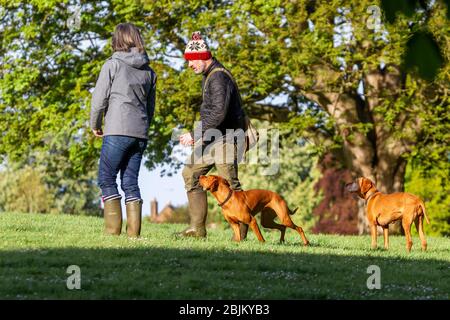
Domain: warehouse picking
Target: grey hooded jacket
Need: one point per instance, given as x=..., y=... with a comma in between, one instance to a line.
x=124, y=95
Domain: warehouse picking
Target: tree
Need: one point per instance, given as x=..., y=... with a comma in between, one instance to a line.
x=24, y=191
x=31, y=188
x=339, y=72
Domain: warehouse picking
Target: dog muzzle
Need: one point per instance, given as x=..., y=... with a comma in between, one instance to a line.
x=352, y=187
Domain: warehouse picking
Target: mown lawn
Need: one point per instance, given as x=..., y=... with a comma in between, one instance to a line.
x=36, y=250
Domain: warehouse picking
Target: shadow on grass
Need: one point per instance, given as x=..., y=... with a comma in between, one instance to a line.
x=157, y=273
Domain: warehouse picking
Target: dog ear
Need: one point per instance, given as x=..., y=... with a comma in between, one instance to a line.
x=366, y=184
x=214, y=185
x=222, y=180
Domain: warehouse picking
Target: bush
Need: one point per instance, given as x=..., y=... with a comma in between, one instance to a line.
x=33, y=189
x=24, y=191
x=433, y=187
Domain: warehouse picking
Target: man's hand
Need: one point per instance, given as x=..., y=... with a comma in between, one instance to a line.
x=186, y=139
x=98, y=133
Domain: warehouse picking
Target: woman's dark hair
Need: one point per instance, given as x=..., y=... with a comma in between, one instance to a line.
x=126, y=36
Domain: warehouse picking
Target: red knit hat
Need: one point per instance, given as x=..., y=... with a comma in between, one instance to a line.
x=197, y=49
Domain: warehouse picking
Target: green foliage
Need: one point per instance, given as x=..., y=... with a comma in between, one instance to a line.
x=24, y=191
x=49, y=66
x=433, y=188
x=422, y=43
x=74, y=193
x=32, y=189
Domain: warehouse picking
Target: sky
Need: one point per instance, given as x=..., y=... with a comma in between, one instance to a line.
x=165, y=189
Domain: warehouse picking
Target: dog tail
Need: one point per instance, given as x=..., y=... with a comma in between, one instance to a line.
x=293, y=212
x=424, y=212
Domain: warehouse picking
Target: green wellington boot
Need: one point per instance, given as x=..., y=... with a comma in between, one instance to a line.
x=134, y=218
x=198, y=209
x=112, y=212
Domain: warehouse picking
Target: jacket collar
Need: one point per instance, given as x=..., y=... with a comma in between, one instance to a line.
x=214, y=64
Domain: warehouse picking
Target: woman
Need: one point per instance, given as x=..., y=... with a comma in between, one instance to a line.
x=125, y=97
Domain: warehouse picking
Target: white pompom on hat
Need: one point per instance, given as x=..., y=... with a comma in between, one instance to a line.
x=197, y=48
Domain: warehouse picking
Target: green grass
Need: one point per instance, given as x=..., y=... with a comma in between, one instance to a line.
x=35, y=251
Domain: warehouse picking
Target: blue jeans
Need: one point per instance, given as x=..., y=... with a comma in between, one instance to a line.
x=124, y=154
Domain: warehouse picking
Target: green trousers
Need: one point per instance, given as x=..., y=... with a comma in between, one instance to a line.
x=203, y=158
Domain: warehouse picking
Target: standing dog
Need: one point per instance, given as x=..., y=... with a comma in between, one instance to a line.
x=242, y=206
x=383, y=209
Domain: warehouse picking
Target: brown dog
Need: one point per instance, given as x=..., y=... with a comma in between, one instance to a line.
x=383, y=209
x=242, y=206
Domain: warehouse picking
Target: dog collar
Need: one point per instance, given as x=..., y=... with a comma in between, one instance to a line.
x=227, y=198
x=371, y=195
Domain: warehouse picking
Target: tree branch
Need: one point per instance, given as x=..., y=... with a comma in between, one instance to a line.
x=268, y=112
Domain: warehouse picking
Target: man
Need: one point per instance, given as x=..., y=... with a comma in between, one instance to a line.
x=220, y=110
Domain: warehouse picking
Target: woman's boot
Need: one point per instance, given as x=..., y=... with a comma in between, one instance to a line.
x=112, y=213
x=134, y=218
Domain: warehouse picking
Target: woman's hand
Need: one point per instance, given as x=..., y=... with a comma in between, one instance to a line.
x=98, y=133
x=186, y=139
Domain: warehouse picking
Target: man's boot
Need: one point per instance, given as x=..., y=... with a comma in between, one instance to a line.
x=134, y=218
x=112, y=213
x=243, y=229
x=198, y=209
